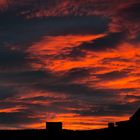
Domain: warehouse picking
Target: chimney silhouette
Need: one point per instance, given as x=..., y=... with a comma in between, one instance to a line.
x=54, y=127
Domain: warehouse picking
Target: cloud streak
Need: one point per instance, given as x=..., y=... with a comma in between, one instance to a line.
x=76, y=61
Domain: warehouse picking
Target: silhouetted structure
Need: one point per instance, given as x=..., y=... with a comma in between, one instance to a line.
x=54, y=130
x=127, y=130
x=134, y=121
x=136, y=116
x=111, y=125
x=54, y=127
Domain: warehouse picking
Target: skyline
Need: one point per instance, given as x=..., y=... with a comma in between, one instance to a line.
x=71, y=61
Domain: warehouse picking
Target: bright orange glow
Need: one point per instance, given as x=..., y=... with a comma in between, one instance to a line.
x=12, y=109
x=76, y=122
x=124, y=57
x=55, y=44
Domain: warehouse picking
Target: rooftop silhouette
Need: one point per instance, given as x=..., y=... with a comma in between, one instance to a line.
x=54, y=126
x=136, y=116
x=134, y=121
x=128, y=129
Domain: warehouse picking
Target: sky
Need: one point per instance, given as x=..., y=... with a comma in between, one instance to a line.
x=75, y=61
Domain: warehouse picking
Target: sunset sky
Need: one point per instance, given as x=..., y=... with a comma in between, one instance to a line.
x=75, y=61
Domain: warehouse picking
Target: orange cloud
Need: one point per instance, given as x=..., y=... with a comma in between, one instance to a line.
x=68, y=78
x=61, y=45
x=56, y=44
x=12, y=109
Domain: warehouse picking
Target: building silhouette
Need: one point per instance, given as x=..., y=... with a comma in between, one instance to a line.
x=127, y=130
x=133, y=122
x=54, y=127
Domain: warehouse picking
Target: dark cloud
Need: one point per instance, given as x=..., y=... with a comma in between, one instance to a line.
x=81, y=91
x=18, y=118
x=114, y=75
x=75, y=74
x=133, y=97
x=136, y=39
x=115, y=59
x=13, y=59
x=40, y=98
x=29, y=76
x=71, y=91
x=53, y=26
x=132, y=12
x=6, y=92
x=72, y=54
x=129, y=20
x=111, y=109
x=108, y=42
x=48, y=81
x=17, y=36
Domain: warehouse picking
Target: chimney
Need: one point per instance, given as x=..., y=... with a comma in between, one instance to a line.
x=111, y=125
x=54, y=127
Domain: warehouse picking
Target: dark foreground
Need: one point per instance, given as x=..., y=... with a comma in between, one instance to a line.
x=123, y=130
x=101, y=134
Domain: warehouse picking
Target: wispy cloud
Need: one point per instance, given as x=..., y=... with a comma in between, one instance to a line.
x=76, y=61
